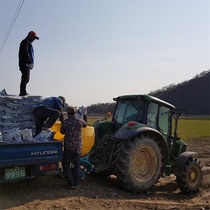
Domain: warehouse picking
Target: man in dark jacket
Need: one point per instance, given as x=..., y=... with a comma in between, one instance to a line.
x=48, y=112
x=72, y=128
x=26, y=60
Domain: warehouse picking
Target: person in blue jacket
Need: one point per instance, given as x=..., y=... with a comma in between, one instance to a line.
x=26, y=60
x=49, y=110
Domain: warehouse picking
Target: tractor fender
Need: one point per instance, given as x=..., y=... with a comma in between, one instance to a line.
x=181, y=161
x=127, y=133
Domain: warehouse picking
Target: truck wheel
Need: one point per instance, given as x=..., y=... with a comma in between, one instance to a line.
x=190, y=180
x=138, y=164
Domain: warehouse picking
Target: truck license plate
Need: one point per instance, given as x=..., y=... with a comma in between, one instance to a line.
x=14, y=173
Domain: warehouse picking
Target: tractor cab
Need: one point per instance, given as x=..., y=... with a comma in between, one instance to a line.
x=147, y=110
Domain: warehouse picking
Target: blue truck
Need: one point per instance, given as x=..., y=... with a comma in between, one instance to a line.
x=23, y=158
x=21, y=161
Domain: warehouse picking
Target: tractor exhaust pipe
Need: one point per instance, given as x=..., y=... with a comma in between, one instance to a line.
x=176, y=125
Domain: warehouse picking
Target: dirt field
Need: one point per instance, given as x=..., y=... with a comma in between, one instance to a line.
x=94, y=193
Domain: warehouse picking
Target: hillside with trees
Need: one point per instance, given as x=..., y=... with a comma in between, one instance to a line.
x=101, y=108
x=191, y=97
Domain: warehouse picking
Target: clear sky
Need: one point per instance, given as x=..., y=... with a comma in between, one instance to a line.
x=91, y=51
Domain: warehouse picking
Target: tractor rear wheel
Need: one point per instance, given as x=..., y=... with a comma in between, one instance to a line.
x=190, y=180
x=138, y=163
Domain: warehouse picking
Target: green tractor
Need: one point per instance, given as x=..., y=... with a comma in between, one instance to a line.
x=138, y=147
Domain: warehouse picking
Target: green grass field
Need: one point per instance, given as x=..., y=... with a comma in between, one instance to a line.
x=188, y=128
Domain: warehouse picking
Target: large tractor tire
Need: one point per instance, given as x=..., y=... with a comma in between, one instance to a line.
x=137, y=164
x=190, y=179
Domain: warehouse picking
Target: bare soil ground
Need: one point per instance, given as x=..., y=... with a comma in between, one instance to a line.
x=96, y=193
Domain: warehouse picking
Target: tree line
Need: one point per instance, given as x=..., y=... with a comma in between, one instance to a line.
x=191, y=96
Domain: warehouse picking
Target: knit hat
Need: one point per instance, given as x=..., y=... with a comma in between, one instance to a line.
x=63, y=99
x=70, y=110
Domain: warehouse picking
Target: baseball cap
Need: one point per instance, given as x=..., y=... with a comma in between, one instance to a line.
x=32, y=33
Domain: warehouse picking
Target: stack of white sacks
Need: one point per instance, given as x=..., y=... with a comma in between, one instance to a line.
x=16, y=119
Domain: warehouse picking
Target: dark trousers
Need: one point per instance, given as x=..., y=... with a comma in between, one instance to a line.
x=24, y=79
x=72, y=175
x=45, y=117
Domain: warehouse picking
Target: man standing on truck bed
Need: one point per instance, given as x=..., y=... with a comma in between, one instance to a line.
x=72, y=128
x=26, y=60
x=48, y=112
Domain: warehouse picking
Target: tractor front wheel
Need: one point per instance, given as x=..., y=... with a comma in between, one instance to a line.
x=191, y=177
